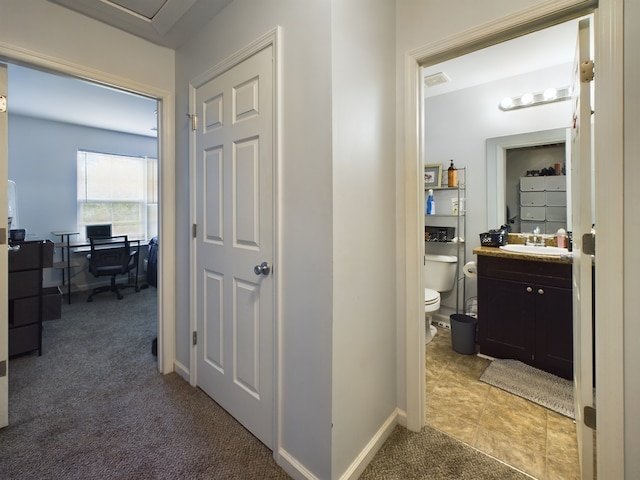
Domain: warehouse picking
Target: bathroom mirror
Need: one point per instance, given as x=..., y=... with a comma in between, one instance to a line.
x=499, y=189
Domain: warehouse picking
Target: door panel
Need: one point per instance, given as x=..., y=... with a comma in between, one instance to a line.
x=4, y=325
x=581, y=199
x=234, y=211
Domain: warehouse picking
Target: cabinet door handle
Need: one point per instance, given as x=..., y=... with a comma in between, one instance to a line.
x=541, y=291
x=529, y=289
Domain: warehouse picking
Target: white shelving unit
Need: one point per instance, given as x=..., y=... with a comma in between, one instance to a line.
x=450, y=214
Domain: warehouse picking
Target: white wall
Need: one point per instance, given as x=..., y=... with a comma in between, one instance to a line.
x=364, y=363
x=305, y=208
x=45, y=173
x=49, y=31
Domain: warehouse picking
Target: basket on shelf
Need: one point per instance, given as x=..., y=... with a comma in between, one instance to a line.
x=494, y=238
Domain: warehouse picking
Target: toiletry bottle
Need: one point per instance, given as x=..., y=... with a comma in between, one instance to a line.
x=431, y=206
x=562, y=238
x=452, y=175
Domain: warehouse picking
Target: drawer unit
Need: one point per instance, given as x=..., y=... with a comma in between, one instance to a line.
x=532, y=184
x=528, y=199
x=533, y=213
x=557, y=183
x=26, y=261
x=556, y=199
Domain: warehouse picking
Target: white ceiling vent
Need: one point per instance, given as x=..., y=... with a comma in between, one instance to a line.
x=435, y=79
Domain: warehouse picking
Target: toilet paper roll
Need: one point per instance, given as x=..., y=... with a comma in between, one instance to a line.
x=470, y=270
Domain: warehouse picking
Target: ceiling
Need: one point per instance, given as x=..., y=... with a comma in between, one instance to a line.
x=58, y=98
x=170, y=22
x=542, y=49
x=164, y=22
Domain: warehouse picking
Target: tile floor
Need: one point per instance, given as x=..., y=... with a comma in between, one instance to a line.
x=529, y=437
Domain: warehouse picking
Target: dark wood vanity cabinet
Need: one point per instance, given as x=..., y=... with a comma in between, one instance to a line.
x=525, y=312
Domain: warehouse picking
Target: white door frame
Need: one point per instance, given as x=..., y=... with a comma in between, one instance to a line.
x=270, y=38
x=609, y=129
x=166, y=167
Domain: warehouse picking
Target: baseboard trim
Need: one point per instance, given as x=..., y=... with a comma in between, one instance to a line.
x=368, y=452
x=182, y=370
x=295, y=469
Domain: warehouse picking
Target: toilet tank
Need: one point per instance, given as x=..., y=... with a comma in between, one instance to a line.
x=440, y=272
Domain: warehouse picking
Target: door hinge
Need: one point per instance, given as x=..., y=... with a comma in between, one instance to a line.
x=590, y=417
x=587, y=71
x=194, y=230
x=3, y=368
x=194, y=121
x=195, y=338
x=3, y=104
x=589, y=244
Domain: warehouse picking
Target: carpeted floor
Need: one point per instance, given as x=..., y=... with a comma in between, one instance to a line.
x=93, y=406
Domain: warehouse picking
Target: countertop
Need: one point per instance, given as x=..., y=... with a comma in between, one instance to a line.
x=499, y=252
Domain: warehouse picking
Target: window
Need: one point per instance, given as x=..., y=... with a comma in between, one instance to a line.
x=120, y=190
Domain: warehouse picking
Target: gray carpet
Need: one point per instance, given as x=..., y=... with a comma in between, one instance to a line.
x=431, y=454
x=540, y=387
x=93, y=406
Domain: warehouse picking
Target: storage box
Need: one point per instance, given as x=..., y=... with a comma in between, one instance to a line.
x=556, y=199
x=532, y=184
x=532, y=213
x=51, y=303
x=528, y=199
x=556, y=214
x=557, y=183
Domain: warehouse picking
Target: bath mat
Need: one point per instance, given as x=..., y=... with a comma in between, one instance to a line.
x=540, y=387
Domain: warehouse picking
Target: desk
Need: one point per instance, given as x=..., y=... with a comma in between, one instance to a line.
x=66, y=263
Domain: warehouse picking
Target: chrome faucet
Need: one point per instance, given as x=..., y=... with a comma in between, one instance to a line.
x=537, y=239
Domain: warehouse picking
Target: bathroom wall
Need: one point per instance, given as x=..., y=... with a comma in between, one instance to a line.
x=458, y=124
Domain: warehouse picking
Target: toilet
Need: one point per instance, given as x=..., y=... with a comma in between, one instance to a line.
x=439, y=276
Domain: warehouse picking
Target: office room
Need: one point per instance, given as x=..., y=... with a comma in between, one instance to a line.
x=81, y=154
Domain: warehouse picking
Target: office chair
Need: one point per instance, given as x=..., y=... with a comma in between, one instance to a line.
x=112, y=256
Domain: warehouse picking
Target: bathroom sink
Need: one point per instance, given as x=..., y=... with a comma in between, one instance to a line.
x=535, y=249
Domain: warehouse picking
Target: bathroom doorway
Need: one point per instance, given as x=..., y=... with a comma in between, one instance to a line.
x=457, y=123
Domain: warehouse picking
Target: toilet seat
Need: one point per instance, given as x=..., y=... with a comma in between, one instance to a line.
x=431, y=300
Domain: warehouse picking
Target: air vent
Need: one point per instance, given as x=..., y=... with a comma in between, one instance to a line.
x=435, y=79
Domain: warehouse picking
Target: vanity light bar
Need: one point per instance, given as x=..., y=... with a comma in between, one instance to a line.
x=550, y=95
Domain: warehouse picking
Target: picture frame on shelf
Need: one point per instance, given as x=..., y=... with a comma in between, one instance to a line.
x=432, y=175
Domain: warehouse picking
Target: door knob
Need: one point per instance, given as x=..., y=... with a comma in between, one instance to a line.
x=263, y=269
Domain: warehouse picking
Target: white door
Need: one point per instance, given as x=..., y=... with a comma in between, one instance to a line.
x=582, y=215
x=234, y=245
x=4, y=322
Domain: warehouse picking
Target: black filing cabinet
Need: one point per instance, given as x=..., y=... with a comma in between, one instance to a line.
x=26, y=263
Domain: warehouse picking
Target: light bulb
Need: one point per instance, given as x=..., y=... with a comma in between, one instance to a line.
x=527, y=98
x=506, y=103
x=550, y=93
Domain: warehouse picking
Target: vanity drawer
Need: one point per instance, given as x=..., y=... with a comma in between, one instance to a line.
x=525, y=271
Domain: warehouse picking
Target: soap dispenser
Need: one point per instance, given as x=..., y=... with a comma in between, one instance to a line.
x=452, y=175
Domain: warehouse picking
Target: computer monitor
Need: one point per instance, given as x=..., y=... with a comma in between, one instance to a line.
x=97, y=231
